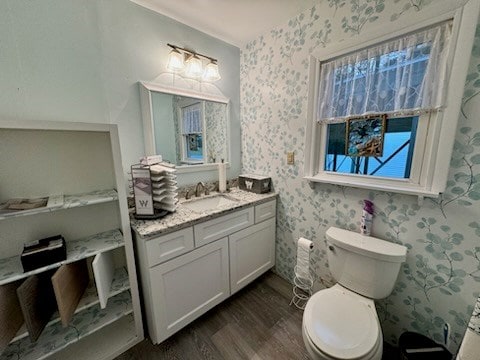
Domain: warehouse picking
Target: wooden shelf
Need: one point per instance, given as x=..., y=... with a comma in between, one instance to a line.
x=90, y=298
x=69, y=202
x=11, y=268
x=55, y=338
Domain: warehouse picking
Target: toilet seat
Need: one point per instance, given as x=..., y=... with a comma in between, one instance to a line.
x=342, y=324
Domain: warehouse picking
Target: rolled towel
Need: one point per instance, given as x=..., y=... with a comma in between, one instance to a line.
x=470, y=347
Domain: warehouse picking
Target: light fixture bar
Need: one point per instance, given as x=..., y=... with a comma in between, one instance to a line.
x=192, y=52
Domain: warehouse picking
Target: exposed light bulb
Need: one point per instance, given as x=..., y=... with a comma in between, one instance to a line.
x=175, y=61
x=211, y=72
x=193, y=67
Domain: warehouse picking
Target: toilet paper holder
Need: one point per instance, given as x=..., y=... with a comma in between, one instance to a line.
x=302, y=289
x=303, y=279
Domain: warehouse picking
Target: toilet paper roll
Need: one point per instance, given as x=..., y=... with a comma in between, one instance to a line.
x=304, y=249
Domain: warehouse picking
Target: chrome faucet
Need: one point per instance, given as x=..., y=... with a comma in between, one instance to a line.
x=198, y=191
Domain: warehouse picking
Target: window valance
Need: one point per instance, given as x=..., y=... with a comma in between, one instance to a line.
x=401, y=77
x=192, y=119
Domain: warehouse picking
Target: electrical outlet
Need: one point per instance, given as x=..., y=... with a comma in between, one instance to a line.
x=290, y=158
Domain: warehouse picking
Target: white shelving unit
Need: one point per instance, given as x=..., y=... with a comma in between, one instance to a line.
x=83, y=163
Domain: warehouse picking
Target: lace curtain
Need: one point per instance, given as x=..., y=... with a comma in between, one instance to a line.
x=192, y=119
x=404, y=76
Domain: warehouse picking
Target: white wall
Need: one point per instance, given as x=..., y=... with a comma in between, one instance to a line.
x=67, y=60
x=163, y=126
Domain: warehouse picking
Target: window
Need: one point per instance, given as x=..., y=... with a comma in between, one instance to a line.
x=404, y=78
x=192, y=136
x=395, y=162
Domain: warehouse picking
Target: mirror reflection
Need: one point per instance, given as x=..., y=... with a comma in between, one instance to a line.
x=189, y=131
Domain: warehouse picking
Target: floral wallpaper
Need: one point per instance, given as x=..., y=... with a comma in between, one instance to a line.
x=216, y=132
x=440, y=280
x=176, y=127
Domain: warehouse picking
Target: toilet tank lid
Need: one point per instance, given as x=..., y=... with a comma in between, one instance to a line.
x=367, y=245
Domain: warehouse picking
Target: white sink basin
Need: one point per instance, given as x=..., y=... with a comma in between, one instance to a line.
x=209, y=203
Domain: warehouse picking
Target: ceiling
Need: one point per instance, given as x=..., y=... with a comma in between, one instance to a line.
x=233, y=21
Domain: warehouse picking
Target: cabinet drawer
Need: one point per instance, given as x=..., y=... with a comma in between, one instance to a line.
x=169, y=246
x=265, y=211
x=220, y=227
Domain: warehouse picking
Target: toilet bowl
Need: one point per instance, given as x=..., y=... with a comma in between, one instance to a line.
x=341, y=323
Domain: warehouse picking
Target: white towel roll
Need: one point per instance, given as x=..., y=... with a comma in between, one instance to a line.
x=304, y=248
x=470, y=348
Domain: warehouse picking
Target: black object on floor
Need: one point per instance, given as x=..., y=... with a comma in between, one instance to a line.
x=415, y=346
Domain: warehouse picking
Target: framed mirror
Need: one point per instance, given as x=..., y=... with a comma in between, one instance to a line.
x=188, y=128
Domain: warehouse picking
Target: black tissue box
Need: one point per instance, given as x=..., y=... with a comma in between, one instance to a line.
x=40, y=253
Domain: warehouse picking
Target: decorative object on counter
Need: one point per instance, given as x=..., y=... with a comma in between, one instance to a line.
x=222, y=176
x=155, y=190
x=142, y=190
x=258, y=184
x=151, y=160
x=43, y=252
x=25, y=206
x=367, y=218
x=37, y=301
x=303, y=280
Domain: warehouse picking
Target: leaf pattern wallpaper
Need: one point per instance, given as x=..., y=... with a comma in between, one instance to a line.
x=440, y=280
x=216, y=130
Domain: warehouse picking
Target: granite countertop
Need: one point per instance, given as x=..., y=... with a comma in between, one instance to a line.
x=185, y=217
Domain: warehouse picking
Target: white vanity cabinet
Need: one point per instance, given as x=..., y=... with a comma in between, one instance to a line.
x=229, y=252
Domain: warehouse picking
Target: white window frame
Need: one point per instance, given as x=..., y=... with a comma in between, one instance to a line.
x=183, y=138
x=435, y=132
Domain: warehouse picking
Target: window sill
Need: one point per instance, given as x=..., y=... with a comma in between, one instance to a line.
x=396, y=186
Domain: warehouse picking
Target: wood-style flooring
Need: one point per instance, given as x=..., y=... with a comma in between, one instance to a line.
x=255, y=323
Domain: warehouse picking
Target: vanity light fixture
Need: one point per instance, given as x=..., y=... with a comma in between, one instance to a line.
x=193, y=67
x=175, y=61
x=181, y=59
x=211, y=72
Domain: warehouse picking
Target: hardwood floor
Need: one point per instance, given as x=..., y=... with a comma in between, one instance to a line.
x=255, y=323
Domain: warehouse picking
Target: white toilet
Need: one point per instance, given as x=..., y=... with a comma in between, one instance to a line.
x=341, y=322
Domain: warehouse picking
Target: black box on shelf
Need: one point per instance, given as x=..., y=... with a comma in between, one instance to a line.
x=258, y=184
x=43, y=252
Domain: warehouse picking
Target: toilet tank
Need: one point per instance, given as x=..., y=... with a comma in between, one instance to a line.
x=364, y=264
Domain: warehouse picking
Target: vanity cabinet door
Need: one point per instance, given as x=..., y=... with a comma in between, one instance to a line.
x=184, y=288
x=252, y=252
